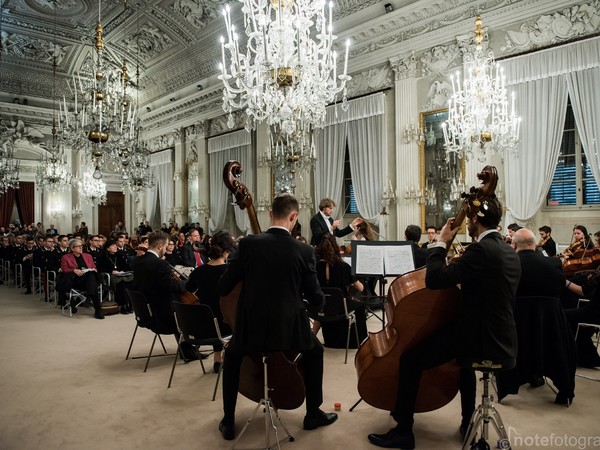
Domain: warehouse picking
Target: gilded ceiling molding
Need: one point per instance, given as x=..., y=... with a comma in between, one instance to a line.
x=548, y=29
x=371, y=80
x=404, y=66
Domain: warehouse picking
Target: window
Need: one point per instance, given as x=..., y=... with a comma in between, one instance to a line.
x=349, y=199
x=572, y=186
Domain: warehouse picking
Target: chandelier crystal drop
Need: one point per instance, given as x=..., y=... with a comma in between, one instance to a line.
x=286, y=72
x=91, y=190
x=53, y=174
x=9, y=166
x=479, y=115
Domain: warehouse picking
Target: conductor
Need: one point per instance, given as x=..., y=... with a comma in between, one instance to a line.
x=277, y=272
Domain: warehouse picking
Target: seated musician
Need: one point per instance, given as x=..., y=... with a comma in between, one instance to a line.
x=277, y=272
x=588, y=312
x=488, y=272
x=332, y=271
x=153, y=277
x=79, y=272
x=413, y=235
x=581, y=241
x=203, y=282
x=597, y=239
x=546, y=243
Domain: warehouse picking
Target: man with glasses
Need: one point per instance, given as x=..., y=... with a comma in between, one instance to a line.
x=79, y=270
x=94, y=248
x=191, y=253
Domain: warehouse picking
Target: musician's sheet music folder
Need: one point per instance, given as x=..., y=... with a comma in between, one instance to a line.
x=382, y=258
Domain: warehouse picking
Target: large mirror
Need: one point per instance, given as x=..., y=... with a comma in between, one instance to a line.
x=442, y=176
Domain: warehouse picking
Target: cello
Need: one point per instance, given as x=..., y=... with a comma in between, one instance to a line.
x=414, y=314
x=286, y=383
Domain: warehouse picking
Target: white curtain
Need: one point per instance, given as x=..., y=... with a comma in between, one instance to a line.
x=161, y=167
x=363, y=127
x=540, y=81
x=367, y=145
x=542, y=105
x=232, y=146
x=330, y=143
x=584, y=91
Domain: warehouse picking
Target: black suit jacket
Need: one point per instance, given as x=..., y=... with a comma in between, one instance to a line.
x=550, y=247
x=187, y=255
x=488, y=273
x=540, y=275
x=152, y=276
x=278, y=273
x=319, y=228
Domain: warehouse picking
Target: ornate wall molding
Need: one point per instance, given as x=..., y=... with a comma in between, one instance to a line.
x=197, y=14
x=404, y=66
x=548, y=29
x=167, y=140
x=222, y=124
x=371, y=80
x=439, y=59
x=438, y=95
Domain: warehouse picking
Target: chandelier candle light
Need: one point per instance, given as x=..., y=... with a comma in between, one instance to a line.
x=479, y=117
x=288, y=71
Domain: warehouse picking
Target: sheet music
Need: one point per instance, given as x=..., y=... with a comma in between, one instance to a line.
x=398, y=259
x=369, y=260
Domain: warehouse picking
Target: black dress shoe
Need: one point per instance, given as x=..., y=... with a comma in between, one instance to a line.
x=536, y=381
x=228, y=431
x=189, y=357
x=319, y=419
x=393, y=439
x=98, y=314
x=124, y=310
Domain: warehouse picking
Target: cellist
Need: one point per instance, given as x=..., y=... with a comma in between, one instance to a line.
x=488, y=273
x=278, y=272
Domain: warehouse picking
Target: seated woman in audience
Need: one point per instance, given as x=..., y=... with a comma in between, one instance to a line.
x=113, y=262
x=203, y=282
x=588, y=312
x=172, y=254
x=333, y=272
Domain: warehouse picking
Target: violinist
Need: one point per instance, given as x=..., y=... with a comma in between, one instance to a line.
x=546, y=243
x=488, y=273
x=277, y=272
x=203, y=282
x=581, y=241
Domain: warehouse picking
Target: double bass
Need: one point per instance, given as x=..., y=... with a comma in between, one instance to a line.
x=414, y=314
x=286, y=383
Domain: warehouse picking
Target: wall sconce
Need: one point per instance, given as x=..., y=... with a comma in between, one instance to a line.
x=203, y=209
x=388, y=194
x=263, y=204
x=412, y=133
x=55, y=213
x=76, y=213
x=306, y=201
x=140, y=213
x=414, y=194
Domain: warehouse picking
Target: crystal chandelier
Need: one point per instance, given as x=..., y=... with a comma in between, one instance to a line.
x=53, y=173
x=479, y=117
x=103, y=114
x=287, y=72
x=9, y=165
x=91, y=190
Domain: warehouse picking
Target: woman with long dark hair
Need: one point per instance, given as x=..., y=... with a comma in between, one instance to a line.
x=203, y=282
x=332, y=271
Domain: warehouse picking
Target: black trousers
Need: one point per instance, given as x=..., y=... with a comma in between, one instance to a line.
x=89, y=283
x=438, y=349
x=313, y=377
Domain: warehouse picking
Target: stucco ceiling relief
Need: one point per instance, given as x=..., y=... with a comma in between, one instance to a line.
x=198, y=14
x=32, y=49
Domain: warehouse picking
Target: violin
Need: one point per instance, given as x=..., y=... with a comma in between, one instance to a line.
x=414, y=313
x=286, y=382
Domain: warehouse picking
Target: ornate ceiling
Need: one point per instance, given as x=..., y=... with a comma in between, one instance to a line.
x=175, y=44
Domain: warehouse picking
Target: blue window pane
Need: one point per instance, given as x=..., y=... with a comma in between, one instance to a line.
x=352, y=209
x=562, y=193
x=591, y=194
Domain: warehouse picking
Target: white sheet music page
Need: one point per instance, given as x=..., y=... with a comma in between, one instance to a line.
x=398, y=259
x=369, y=259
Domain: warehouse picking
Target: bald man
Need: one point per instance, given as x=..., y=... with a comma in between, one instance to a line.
x=540, y=275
